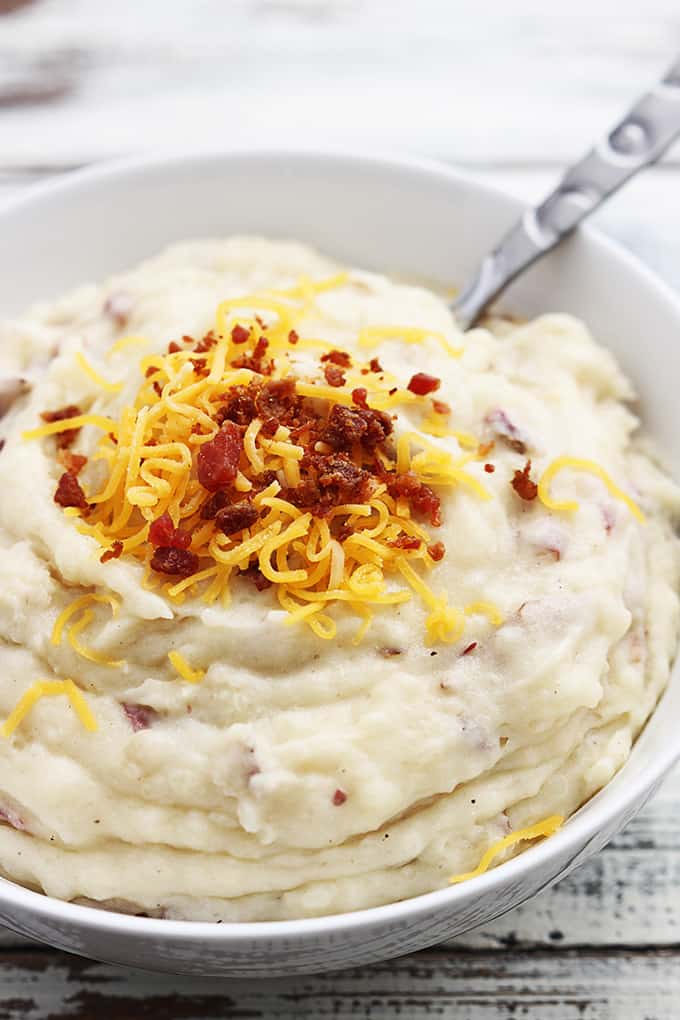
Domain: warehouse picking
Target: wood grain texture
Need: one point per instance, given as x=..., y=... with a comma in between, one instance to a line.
x=461, y=80
x=543, y=985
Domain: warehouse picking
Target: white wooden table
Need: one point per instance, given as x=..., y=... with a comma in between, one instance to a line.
x=513, y=90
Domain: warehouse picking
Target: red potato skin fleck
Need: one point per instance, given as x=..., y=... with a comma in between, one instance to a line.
x=339, y=797
x=421, y=384
x=140, y=717
x=218, y=459
x=470, y=648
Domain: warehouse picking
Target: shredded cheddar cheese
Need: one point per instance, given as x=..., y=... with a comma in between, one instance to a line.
x=87, y=368
x=150, y=455
x=547, y=827
x=192, y=676
x=577, y=464
x=44, y=689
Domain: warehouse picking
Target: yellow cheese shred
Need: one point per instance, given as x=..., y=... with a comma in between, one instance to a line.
x=87, y=368
x=578, y=464
x=49, y=688
x=75, y=607
x=192, y=676
x=547, y=827
x=73, y=637
x=53, y=427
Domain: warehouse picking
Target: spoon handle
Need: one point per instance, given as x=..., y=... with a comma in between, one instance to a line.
x=637, y=141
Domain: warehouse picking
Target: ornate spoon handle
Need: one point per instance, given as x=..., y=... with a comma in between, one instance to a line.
x=636, y=142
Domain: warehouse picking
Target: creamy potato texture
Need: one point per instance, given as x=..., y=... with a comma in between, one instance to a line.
x=294, y=774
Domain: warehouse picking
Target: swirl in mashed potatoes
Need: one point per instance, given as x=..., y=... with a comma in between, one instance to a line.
x=308, y=602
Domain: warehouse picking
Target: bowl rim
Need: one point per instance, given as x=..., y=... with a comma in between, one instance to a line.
x=578, y=829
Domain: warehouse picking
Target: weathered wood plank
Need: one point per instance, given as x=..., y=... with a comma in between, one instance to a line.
x=465, y=81
x=481, y=986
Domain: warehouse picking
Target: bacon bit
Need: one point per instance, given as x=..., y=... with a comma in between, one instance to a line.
x=328, y=481
x=254, y=574
x=340, y=358
x=255, y=361
x=470, y=648
x=359, y=397
x=421, y=384
x=347, y=426
x=170, y=560
x=339, y=797
x=293, y=337
x=163, y=532
x=404, y=541
x=389, y=653
x=420, y=496
x=69, y=492
x=208, y=341
x=235, y=518
x=217, y=462
x=64, y=439
x=186, y=339
x=73, y=462
x=118, y=306
x=375, y=366
x=151, y=370
x=334, y=375
x=12, y=818
x=392, y=391
x=489, y=468
x=173, y=347
x=506, y=430
x=240, y=335
x=215, y=503
x=239, y=408
x=440, y=407
x=523, y=485
x=436, y=551
x=140, y=717
x=113, y=553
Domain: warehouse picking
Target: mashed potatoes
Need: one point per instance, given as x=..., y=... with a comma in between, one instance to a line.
x=240, y=746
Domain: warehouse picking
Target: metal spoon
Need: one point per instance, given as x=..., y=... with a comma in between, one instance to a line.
x=636, y=142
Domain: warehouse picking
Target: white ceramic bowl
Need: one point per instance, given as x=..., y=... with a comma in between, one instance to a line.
x=409, y=218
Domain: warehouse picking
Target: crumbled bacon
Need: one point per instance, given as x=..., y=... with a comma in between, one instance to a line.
x=216, y=502
x=256, y=360
x=112, y=553
x=231, y=519
x=169, y=560
x=347, y=426
x=140, y=717
x=359, y=397
x=293, y=337
x=440, y=407
x=173, y=347
x=67, y=437
x=422, y=499
x=72, y=462
x=436, y=551
x=69, y=492
x=118, y=306
x=254, y=573
x=375, y=366
x=489, y=468
x=240, y=335
x=404, y=541
x=421, y=384
x=163, y=532
x=328, y=481
x=218, y=459
x=523, y=485
x=339, y=797
x=277, y=399
x=504, y=429
x=334, y=375
x=239, y=406
x=340, y=358
x=206, y=343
